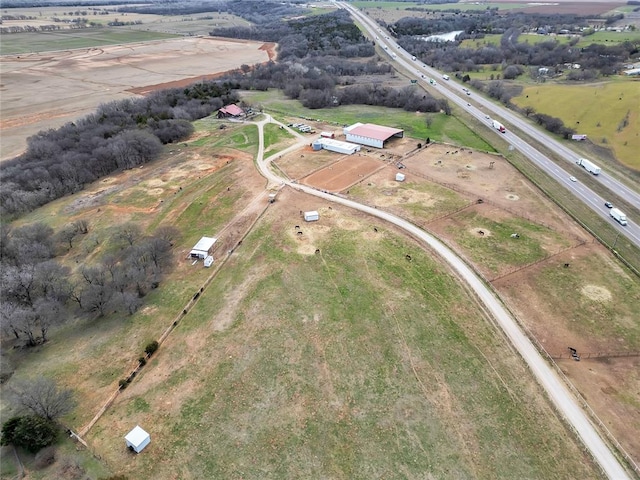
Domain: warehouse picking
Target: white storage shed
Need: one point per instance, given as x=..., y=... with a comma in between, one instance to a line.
x=137, y=439
x=312, y=216
x=203, y=248
x=338, y=146
x=208, y=261
x=400, y=177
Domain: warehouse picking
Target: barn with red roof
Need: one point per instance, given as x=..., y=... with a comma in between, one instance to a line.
x=231, y=110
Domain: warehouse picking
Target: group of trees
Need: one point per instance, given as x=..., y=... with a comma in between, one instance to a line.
x=119, y=135
x=37, y=292
x=511, y=51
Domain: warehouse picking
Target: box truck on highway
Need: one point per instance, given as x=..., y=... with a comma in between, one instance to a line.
x=588, y=166
x=446, y=77
x=620, y=217
x=498, y=126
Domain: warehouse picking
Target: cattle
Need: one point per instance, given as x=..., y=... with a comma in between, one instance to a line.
x=408, y=257
x=481, y=233
x=566, y=265
x=317, y=250
x=297, y=227
x=375, y=229
x=299, y=232
x=515, y=235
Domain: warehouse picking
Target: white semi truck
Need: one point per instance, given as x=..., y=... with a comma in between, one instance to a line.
x=618, y=216
x=589, y=166
x=498, y=126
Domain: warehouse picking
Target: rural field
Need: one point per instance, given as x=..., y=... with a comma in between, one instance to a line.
x=341, y=348
x=78, y=80
x=608, y=113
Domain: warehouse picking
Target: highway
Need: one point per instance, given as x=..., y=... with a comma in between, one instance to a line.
x=480, y=108
x=557, y=391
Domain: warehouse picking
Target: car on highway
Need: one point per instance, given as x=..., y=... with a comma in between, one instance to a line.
x=468, y=104
x=488, y=117
x=468, y=93
x=608, y=204
x=573, y=179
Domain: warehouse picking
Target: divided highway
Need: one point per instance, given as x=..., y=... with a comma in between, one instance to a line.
x=557, y=391
x=479, y=107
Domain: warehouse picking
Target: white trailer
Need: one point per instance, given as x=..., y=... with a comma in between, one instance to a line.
x=589, y=166
x=446, y=77
x=618, y=216
x=498, y=126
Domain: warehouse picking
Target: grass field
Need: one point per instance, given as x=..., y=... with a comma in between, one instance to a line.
x=18, y=43
x=609, y=38
x=608, y=113
x=296, y=387
x=446, y=6
x=443, y=128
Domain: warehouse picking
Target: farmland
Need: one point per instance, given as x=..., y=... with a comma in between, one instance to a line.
x=606, y=112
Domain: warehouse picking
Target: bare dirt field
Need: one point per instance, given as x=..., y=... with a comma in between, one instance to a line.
x=344, y=173
x=42, y=91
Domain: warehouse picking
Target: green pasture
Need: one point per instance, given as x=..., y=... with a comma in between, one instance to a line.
x=20, y=43
x=598, y=110
x=353, y=363
x=274, y=138
x=609, y=38
x=365, y=5
x=494, y=40
x=444, y=128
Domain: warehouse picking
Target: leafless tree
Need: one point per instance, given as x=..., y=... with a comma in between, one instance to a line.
x=42, y=397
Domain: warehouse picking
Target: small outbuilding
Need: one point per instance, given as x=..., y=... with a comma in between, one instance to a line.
x=203, y=248
x=230, y=111
x=400, y=177
x=312, y=216
x=328, y=134
x=137, y=439
x=337, y=146
x=208, y=261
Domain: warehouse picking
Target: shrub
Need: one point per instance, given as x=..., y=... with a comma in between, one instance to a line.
x=151, y=348
x=142, y=361
x=122, y=383
x=29, y=432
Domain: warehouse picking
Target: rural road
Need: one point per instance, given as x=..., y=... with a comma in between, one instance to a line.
x=479, y=108
x=557, y=391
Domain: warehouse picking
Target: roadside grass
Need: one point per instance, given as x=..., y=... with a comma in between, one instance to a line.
x=350, y=364
x=496, y=250
x=383, y=5
x=19, y=43
x=274, y=138
x=494, y=40
x=444, y=128
x=606, y=112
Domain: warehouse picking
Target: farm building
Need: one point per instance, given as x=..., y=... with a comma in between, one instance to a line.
x=370, y=134
x=230, y=111
x=400, y=177
x=312, y=216
x=336, y=146
x=137, y=439
x=203, y=248
x=328, y=134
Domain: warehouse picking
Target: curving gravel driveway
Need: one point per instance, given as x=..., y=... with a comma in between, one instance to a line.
x=563, y=400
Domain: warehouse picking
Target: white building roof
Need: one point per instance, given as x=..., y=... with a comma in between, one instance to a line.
x=337, y=143
x=137, y=436
x=204, y=244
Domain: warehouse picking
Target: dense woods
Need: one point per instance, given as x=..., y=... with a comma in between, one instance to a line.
x=119, y=135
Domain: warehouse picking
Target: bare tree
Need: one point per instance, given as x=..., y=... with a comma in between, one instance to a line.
x=42, y=397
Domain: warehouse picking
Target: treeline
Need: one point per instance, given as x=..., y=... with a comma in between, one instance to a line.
x=332, y=34
x=38, y=293
x=450, y=56
x=257, y=12
x=119, y=135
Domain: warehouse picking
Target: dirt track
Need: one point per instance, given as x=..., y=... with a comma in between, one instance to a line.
x=41, y=91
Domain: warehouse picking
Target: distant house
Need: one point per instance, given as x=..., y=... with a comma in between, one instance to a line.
x=543, y=71
x=231, y=111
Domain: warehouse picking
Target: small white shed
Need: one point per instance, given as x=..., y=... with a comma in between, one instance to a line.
x=203, y=248
x=208, y=261
x=400, y=177
x=137, y=439
x=312, y=216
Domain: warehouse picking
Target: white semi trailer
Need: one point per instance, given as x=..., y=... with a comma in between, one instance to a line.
x=620, y=217
x=498, y=126
x=589, y=166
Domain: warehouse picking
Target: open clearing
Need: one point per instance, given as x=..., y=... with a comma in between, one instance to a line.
x=608, y=113
x=41, y=91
